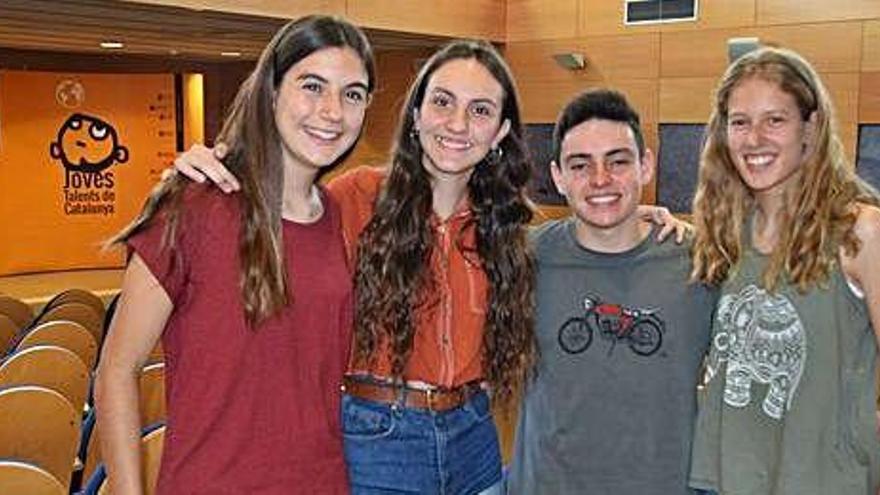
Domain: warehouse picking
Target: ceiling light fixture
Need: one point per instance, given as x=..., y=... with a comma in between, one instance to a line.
x=230, y=54
x=112, y=45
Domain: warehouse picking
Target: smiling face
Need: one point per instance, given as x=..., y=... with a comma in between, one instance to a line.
x=320, y=106
x=459, y=119
x=767, y=138
x=601, y=174
x=87, y=144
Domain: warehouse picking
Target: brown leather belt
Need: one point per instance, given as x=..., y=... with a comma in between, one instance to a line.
x=437, y=400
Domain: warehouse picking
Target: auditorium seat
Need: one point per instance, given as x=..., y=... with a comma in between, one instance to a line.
x=77, y=312
x=152, y=411
x=79, y=296
x=16, y=310
x=52, y=367
x=8, y=330
x=67, y=334
x=39, y=426
x=152, y=442
x=24, y=478
x=152, y=394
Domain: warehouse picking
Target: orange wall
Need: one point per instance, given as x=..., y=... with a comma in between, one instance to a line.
x=56, y=215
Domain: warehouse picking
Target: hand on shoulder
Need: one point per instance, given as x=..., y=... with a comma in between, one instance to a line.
x=200, y=163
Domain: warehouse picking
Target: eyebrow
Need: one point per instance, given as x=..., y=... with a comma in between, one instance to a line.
x=477, y=100
x=764, y=112
x=311, y=75
x=589, y=156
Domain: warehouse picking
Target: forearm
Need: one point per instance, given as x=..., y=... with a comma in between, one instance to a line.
x=116, y=400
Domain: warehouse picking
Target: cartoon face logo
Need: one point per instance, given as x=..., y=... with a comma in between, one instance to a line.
x=87, y=144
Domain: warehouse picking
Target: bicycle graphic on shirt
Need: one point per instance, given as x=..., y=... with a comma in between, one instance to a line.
x=641, y=329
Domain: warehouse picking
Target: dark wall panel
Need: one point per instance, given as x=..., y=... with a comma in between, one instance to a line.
x=678, y=164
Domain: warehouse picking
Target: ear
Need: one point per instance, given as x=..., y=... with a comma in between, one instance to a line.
x=121, y=154
x=647, y=167
x=556, y=175
x=503, y=131
x=416, y=119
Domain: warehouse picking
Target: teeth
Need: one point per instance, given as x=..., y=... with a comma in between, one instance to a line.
x=758, y=160
x=453, y=144
x=323, y=134
x=602, y=200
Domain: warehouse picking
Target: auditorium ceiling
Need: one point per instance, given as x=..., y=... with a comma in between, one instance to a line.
x=82, y=25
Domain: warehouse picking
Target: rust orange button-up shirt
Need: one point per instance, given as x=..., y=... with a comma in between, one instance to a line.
x=447, y=349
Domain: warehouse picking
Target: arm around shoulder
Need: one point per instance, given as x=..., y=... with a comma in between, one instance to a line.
x=144, y=308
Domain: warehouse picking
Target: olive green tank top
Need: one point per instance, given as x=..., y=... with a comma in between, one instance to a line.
x=789, y=404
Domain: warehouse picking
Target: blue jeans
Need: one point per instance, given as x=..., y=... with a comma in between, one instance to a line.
x=397, y=450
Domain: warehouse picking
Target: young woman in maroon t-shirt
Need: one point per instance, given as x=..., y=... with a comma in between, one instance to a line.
x=250, y=293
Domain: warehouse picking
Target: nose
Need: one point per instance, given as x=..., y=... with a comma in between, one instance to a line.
x=599, y=176
x=331, y=107
x=458, y=120
x=753, y=135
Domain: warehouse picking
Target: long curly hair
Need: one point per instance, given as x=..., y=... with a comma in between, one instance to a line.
x=254, y=158
x=393, y=276
x=820, y=215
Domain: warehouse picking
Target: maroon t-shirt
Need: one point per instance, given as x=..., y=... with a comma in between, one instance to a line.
x=252, y=411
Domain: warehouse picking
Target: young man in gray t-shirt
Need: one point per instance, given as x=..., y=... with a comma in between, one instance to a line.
x=620, y=329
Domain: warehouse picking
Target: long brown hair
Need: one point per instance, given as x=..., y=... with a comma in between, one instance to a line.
x=820, y=215
x=254, y=158
x=393, y=276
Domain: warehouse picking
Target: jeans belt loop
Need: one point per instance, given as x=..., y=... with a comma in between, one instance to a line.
x=400, y=402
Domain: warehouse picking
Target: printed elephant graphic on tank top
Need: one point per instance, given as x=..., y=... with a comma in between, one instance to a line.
x=762, y=339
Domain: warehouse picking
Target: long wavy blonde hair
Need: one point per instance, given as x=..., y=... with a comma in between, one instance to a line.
x=821, y=208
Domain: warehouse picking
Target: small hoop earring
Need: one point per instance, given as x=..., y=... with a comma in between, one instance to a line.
x=495, y=155
x=414, y=134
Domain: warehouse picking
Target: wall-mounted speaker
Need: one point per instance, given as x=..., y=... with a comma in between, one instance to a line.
x=737, y=47
x=570, y=61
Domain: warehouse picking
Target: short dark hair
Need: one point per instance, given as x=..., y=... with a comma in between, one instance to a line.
x=600, y=104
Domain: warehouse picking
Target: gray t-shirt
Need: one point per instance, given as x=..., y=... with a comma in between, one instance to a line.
x=621, y=339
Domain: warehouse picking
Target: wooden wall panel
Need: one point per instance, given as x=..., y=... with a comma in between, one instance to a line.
x=472, y=19
x=844, y=90
x=714, y=15
x=270, y=8
x=686, y=100
x=634, y=56
x=830, y=47
x=546, y=87
x=541, y=20
x=542, y=100
x=806, y=11
x=869, y=98
x=704, y=53
x=871, y=46
x=396, y=69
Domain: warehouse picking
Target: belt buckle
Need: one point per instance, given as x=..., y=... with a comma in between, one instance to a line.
x=429, y=399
